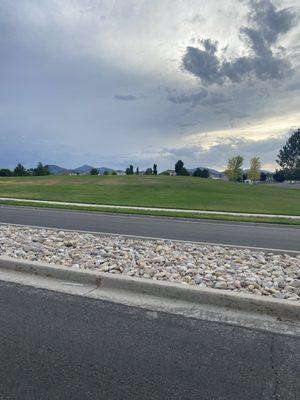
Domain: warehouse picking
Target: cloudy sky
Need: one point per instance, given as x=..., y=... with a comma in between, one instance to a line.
x=113, y=82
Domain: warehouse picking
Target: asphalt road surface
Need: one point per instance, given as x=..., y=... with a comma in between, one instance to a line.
x=58, y=346
x=231, y=233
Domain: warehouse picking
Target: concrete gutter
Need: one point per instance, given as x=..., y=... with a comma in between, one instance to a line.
x=155, y=209
x=280, y=309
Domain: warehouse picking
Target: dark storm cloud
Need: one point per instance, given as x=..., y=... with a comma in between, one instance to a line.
x=194, y=98
x=266, y=25
x=204, y=64
x=270, y=24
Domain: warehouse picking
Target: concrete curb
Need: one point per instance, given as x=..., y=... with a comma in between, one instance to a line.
x=280, y=309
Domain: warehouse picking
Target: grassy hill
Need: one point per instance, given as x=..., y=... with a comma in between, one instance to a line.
x=156, y=191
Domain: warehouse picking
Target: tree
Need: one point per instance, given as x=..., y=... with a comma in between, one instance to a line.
x=20, y=170
x=205, y=173
x=5, y=172
x=263, y=176
x=154, y=169
x=106, y=172
x=40, y=170
x=178, y=166
x=201, y=173
x=254, y=171
x=46, y=170
x=129, y=170
x=198, y=172
x=114, y=173
x=148, y=171
x=289, y=156
x=296, y=173
x=137, y=170
x=234, y=171
x=94, y=171
x=183, y=172
x=279, y=176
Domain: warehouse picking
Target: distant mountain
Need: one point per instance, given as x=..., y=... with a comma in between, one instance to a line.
x=84, y=169
x=57, y=170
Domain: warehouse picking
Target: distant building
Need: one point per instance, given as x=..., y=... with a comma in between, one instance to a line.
x=170, y=172
x=214, y=174
x=120, y=172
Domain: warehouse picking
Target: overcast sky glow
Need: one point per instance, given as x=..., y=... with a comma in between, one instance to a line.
x=113, y=82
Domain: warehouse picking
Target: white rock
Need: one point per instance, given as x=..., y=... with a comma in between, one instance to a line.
x=193, y=264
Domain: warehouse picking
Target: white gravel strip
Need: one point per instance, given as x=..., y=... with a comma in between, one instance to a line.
x=239, y=270
x=169, y=210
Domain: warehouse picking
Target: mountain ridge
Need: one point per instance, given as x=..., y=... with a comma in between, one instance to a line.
x=83, y=169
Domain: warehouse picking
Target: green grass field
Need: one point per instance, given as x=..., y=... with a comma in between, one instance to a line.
x=156, y=191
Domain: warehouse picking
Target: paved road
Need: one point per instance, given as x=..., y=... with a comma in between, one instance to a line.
x=240, y=234
x=57, y=346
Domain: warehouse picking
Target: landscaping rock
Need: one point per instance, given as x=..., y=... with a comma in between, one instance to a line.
x=238, y=270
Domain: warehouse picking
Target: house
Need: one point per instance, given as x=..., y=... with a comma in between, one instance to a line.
x=170, y=172
x=120, y=172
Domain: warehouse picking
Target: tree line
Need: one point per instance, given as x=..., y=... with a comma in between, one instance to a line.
x=180, y=170
x=149, y=171
x=20, y=170
x=288, y=159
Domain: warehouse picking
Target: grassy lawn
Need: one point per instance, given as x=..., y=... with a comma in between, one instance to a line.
x=156, y=191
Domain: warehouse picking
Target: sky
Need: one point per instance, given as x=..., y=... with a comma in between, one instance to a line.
x=114, y=82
